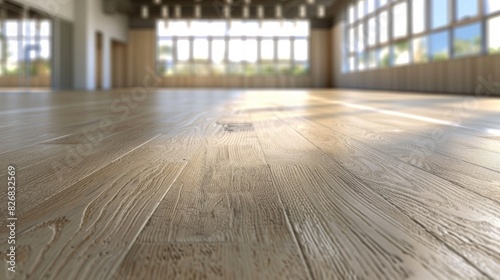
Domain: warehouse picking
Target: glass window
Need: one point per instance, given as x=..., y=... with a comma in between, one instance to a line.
x=439, y=46
x=352, y=15
x=11, y=28
x=440, y=16
x=267, y=49
x=401, y=53
x=467, y=40
x=361, y=38
x=383, y=27
x=492, y=6
x=361, y=61
x=232, y=47
x=400, y=20
x=384, y=57
x=250, y=54
x=301, y=50
x=183, y=50
x=372, y=59
x=284, y=49
x=466, y=9
x=236, y=50
x=218, y=51
x=200, y=50
x=352, y=63
x=165, y=50
x=361, y=9
x=372, y=31
x=382, y=3
x=420, y=50
x=371, y=6
x=418, y=7
x=493, y=38
x=352, y=39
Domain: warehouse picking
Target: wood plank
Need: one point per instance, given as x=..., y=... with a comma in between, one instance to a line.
x=462, y=219
x=212, y=261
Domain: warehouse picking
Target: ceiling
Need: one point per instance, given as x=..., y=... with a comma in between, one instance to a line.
x=214, y=8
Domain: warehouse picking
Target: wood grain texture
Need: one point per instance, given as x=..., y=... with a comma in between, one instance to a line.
x=263, y=184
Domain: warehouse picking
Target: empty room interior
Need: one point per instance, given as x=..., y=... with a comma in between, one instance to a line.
x=249, y=139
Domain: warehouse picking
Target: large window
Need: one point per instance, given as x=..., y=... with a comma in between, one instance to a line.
x=391, y=33
x=234, y=47
x=25, y=47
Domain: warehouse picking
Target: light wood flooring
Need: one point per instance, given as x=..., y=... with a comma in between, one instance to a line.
x=207, y=184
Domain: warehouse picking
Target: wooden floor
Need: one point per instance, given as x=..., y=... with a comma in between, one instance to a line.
x=252, y=185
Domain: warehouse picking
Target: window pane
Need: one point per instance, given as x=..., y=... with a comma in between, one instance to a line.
x=250, y=54
x=165, y=50
x=287, y=29
x=420, y=50
x=361, y=38
x=300, y=50
x=183, y=50
x=267, y=49
x=301, y=28
x=11, y=28
x=383, y=25
x=371, y=6
x=400, y=20
x=216, y=28
x=361, y=9
x=382, y=2
x=372, y=31
x=352, y=15
x=284, y=51
x=401, y=53
x=439, y=13
x=466, y=9
x=361, y=61
x=236, y=50
x=200, y=50
x=197, y=28
x=352, y=39
x=492, y=6
x=218, y=51
x=270, y=28
x=384, y=57
x=372, y=59
x=352, y=64
x=418, y=16
x=45, y=27
x=29, y=28
x=12, y=57
x=493, y=38
x=467, y=40
x=439, y=47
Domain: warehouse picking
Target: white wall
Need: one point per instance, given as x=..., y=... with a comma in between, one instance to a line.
x=64, y=9
x=90, y=19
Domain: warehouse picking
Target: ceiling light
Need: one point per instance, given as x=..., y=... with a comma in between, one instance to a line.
x=227, y=11
x=164, y=11
x=321, y=11
x=197, y=11
x=260, y=11
x=178, y=11
x=278, y=11
x=302, y=11
x=157, y=2
x=144, y=11
x=311, y=2
x=246, y=12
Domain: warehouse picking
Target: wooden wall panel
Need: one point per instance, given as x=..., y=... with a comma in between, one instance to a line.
x=119, y=64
